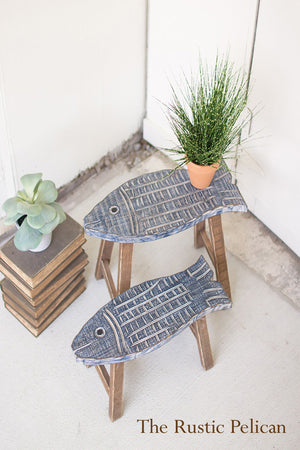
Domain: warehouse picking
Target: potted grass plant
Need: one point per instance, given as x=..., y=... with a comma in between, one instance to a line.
x=35, y=213
x=205, y=116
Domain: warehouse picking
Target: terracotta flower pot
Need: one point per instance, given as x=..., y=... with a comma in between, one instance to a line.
x=201, y=176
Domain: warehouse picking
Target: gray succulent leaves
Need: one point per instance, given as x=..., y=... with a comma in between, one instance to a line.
x=37, y=206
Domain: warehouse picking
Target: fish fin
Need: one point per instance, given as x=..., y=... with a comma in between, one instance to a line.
x=200, y=270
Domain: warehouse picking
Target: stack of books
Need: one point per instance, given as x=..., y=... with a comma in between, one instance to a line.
x=39, y=286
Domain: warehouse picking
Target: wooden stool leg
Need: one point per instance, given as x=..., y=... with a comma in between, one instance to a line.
x=117, y=370
x=220, y=263
x=198, y=228
x=200, y=331
x=104, y=255
x=116, y=391
x=125, y=266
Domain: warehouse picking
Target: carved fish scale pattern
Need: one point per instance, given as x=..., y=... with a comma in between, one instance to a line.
x=158, y=204
x=144, y=323
x=149, y=314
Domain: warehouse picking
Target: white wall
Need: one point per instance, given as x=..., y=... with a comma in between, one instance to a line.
x=71, y=85
x=179, y=30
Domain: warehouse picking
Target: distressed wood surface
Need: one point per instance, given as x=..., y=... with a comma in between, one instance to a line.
x=158, y=204
x=36, y=330
x=54, y=285
x=34, y=268
x=124, y=267
x=113, y=383
x=105, y=251
x=117, y=370
x=37, y=321
x=116, y=381
x=215, y=247
x=220, y=261
x=39, y=286
x=33, y=292
x=109, y=279
x=17, y=301
x=200, y=332
x=199, y=228
x=52, y=289
x=103, y=374
x=151, y=207
x=148, y=315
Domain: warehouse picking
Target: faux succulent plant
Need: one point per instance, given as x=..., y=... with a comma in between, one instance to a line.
x=35, y=209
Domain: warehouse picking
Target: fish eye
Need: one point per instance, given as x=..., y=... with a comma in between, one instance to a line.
x=114, y=210
x=99, y=332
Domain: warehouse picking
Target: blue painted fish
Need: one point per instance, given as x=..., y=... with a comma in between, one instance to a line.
x=148, y=315
x=158, y=204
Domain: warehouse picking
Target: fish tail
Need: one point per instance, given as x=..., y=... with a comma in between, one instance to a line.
x=200, y=270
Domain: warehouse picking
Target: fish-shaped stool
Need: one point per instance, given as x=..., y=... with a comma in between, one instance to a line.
x=148, y=315
x=158, y=204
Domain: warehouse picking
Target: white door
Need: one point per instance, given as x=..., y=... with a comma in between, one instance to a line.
x=178, y=30
x=269, y=180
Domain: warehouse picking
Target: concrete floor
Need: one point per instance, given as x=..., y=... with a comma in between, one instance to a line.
x=48, y=401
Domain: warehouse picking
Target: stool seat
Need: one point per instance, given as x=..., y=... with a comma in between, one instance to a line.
x=159, y=204
x=148, y=315
x=146, y=208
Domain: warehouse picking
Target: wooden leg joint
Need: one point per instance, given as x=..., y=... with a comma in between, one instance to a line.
x=215, y=247
x=105, y=252
x=105, y=269
x=218, y=245
x=103, y=374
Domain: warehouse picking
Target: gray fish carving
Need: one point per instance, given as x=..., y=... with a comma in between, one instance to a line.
x=148, y=315
x=158, y=204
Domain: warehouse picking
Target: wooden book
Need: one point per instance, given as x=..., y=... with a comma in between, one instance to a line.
x=36, y=311
x=37, y=321
x=52, y=290
x=37, y=329
x=34, y=268
x=33, y=292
